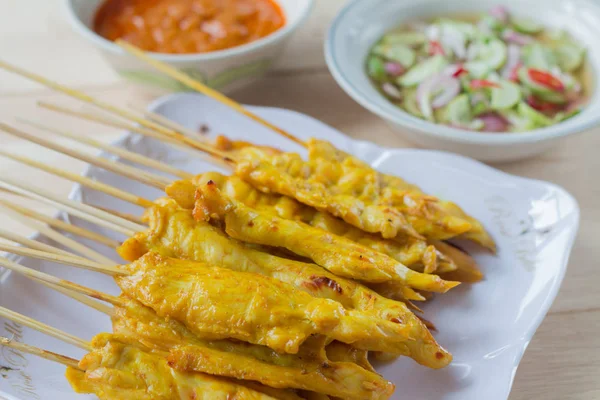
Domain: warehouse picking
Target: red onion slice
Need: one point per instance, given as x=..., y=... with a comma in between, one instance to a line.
x=500, y=13
x=450, y=89
x=447, y=87
x=517, y=38
x=394, y=69
x=513, y=58
x=494, y=122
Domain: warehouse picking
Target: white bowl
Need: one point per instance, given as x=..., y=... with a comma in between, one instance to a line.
x=224, y=70
x=362, y=22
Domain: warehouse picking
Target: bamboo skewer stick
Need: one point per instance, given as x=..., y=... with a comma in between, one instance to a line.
x=129, y=217
x=83, y=97
x=30, y=243
x=99, y=186
x=48, y=355
x=108, y=121
x=166, y=122
x=174, y=138
x=58, y=224
x=84, y=211
x=202, y=88
x=43, y=328
x=85, y=300
x=100, y=119
x=150, y=179
x=63, y=259
x=122, y=153
x=13, y=266
x=114, y=110
x=60, y=238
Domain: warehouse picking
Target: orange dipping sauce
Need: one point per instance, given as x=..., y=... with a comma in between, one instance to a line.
x=188, y=26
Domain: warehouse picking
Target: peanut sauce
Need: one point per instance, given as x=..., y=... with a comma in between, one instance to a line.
x=188, y=26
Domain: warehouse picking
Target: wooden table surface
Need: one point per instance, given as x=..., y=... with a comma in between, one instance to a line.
x=563, y=360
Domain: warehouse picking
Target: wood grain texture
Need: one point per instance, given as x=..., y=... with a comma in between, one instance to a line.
x=563, y=360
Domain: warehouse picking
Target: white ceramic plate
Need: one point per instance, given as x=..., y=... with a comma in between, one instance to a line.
x=486, y=326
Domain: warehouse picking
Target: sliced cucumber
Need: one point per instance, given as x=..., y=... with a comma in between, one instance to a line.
x=492, y=56
x=537, y=119
x=411, y=39
x=478, y=69
x=396, y=52
x=562, y=116
x=458, y=111
x=467, y=29
x=518, y=123
x=526, y=25
x=410, y=103
x=423, y=70
x=539, y=56
x=507, y=96
x=553, y=97
x=569, y=57
x=376, y=68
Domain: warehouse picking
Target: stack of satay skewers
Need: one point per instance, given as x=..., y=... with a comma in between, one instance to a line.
x=274, y=282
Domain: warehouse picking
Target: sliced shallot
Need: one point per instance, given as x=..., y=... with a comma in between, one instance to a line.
x=517, y=38
x=391, y=90
x=493, y=122
x=513, y=59
x=500, y=13
x=442, y=86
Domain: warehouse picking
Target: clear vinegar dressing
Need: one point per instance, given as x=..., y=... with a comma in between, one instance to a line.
x=509, y=74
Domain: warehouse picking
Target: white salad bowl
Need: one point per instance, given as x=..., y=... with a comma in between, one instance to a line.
x=363, y=22
x=224, y=70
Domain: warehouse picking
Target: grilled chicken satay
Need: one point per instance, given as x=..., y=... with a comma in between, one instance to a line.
x=218, y=303
x=415, y=253
x=311, y=369
x=337, y=254
x=117, y=369
x=356, y=192
x=173, y=232
x=431, y=217
x=289, y=175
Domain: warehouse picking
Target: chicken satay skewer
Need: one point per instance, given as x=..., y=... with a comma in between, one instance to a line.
x=94, y=372
x=338, y=378
x=376, y=274
x=306, y=277
x=325, y=316
x=475, y=232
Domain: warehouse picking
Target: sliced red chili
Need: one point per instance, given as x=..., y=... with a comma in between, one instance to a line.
x=545, y=79
x=459, y=71
x=541, y=105
x=435, y=48
x=483, y=83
